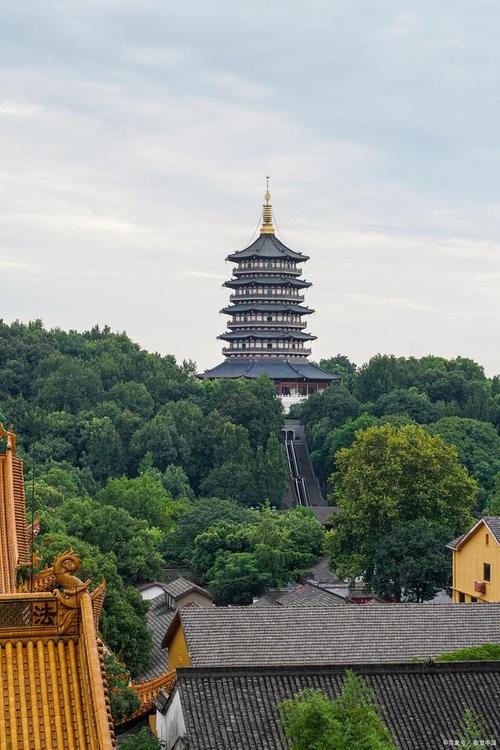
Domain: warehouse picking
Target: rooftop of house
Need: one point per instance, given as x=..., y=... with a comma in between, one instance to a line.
x=245, y=636
x=421, y=704
x=303, y=595
x=491, y=522
x=158, y=617
x=181, y=586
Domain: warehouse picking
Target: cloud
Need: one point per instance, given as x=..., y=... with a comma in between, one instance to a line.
x=135, y=139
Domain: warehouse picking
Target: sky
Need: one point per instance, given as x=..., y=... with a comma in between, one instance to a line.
x=135, y=136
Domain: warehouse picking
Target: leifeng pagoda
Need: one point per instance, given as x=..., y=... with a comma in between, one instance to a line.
x=266, y=332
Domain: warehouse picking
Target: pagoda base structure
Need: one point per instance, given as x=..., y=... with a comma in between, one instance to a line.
x=295, y=380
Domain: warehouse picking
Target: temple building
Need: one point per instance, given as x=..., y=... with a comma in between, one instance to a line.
x=53, y=689
x=266, y=331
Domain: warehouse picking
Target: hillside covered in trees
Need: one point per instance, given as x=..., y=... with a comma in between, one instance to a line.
x=137, y=464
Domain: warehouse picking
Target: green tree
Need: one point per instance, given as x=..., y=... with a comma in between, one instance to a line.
x=144, y=740
x=412, y=562
x=124, y=700
x=472, y=731
x=394, y=475
x=197, y=518
x=486, y=652
x=478, y=447
x=235, y=578
x=352, y=720
x=144, y=497
x=103, y=452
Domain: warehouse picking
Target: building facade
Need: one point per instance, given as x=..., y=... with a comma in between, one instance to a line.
x=476, y=563
x=266, y=332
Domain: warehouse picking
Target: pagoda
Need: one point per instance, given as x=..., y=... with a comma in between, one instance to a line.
x=266, y=331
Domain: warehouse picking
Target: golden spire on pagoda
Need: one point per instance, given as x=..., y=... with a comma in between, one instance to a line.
x=267, y=212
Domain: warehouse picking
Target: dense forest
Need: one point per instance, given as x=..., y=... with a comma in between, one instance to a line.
x=139, y=465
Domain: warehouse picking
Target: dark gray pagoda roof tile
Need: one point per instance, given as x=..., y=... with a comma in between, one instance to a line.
x=421, y=704
x=267, y=307
x=267, y=246
x=276, y=369
x=244, y=636
x=275, y=333
x=268, y=281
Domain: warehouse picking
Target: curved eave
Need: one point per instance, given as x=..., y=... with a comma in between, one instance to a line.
x=276, y=369
x=274, y=334
x=297, y=309
x=267, y=246
x=267, y=281
x=258, y=307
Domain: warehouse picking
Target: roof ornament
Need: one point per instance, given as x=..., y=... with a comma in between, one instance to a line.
x=267, y=212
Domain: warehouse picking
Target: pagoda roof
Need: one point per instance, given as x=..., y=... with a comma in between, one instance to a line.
x=12, y=515
x=267, y=246
x=265, y=307
x=274, y=368
x=52, y=665
x=268, y=280
x=271, y=334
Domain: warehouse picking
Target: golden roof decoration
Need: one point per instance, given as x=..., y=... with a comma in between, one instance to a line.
x=267, y=212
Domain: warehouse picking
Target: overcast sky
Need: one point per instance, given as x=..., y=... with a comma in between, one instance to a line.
x=135, y=136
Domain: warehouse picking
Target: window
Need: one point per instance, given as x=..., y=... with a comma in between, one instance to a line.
x=269, y=346
x=486, y=539
x=473, y=599
x=486, y=572
x=461, y=597
x=269, y=319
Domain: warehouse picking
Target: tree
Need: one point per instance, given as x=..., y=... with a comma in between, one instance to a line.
x=235, y=578
x=394, y=475
x=103, y=449
x=486, y=652
x=142, y=741
x=412, y=562
x=144, y=497
x=472, y=731
x=124, y=700
x=335, y=403
x=478, y=447
x=111, y=529
x=341, y=365
x=197, y=518
x=352, y=720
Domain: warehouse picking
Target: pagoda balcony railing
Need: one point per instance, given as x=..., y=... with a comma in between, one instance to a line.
x=262, y=351
x=248, y=267
x=272, y=324
x=250, y=297
x=254, y=270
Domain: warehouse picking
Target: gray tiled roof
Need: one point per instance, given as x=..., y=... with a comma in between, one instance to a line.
x=304, y=595
x=277, y=369
x=182, y=586
x=494, y=524
x=422, y=705
x=321, y=573
x=159, y=617
x=336, y=635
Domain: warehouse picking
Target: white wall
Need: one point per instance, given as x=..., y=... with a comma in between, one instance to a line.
x=170, y=725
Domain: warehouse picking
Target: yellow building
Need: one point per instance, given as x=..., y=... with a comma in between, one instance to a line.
x=53, y=690
x=476, y=562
